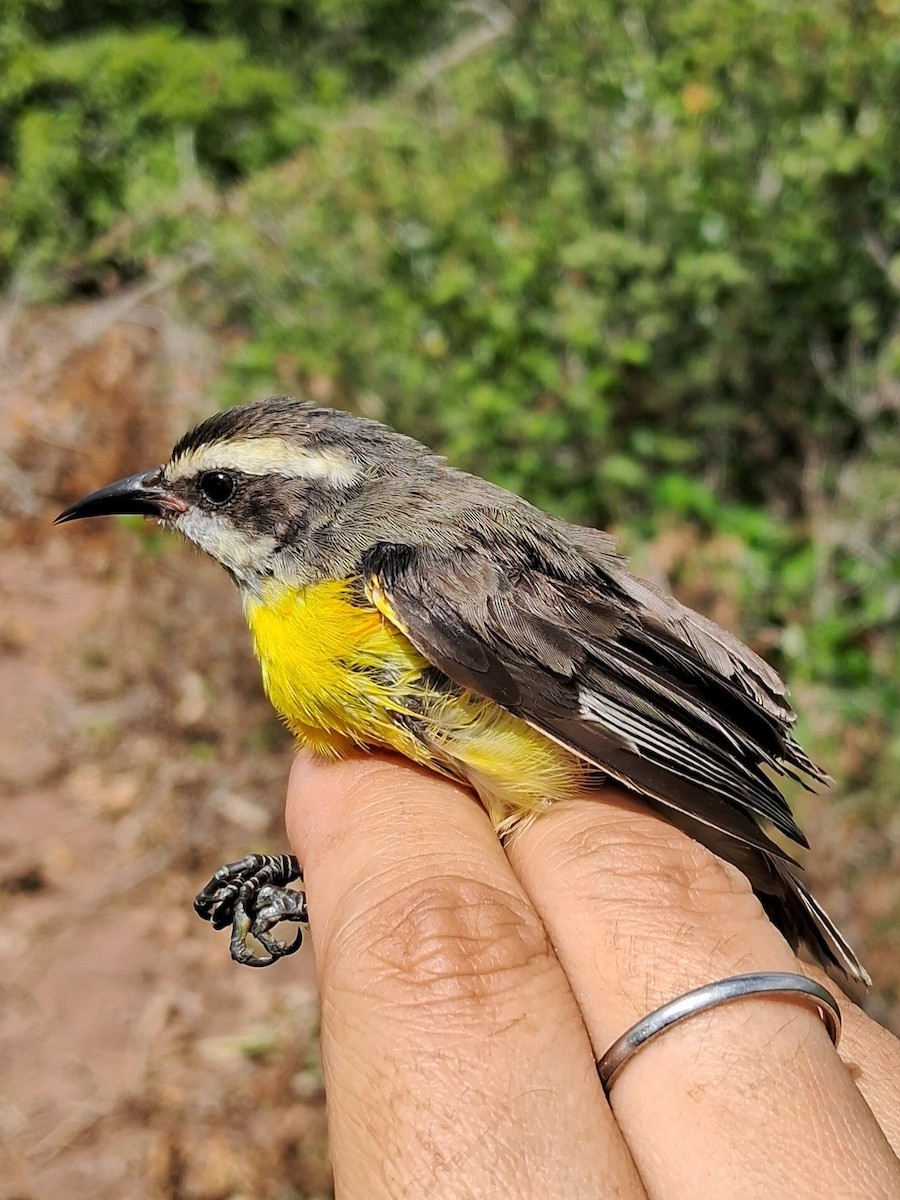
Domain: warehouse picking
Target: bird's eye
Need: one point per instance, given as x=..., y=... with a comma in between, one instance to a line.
x=217, y=486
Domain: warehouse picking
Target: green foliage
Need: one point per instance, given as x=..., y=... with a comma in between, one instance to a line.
x=121, y=119
x=111, y=126
x=329, y=46
x=621, y=239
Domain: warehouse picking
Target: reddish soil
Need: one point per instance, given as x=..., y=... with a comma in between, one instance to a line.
x=136, y=754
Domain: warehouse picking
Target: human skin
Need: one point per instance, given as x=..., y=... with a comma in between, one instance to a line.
x=467, y=991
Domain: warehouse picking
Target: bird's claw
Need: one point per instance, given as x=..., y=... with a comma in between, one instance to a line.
x=252, y=897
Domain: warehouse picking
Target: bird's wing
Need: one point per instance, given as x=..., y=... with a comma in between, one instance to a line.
x=562, y=643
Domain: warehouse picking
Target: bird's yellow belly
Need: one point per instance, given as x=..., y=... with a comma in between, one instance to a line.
x=342, y=675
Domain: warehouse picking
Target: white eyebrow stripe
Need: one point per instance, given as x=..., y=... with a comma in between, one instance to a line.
x=267, y=456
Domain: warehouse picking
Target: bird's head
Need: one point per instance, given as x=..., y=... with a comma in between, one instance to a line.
x=260, y=487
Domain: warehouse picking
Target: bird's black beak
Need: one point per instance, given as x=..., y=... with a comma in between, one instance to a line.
x=143, y=495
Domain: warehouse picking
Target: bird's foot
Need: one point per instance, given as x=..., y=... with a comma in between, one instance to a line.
x=252, y=897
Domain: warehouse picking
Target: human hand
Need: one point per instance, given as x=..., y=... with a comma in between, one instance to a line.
x=466, y=993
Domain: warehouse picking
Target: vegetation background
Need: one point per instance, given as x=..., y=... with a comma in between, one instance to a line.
x=639, y=262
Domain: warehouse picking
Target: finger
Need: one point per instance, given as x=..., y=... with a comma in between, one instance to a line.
x=456, y=1060
x=747, y=1099
x=872, y=1056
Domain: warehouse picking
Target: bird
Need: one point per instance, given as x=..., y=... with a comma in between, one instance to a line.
x=398, y=603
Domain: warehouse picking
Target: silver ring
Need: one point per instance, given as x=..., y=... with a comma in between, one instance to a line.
x=778, y=983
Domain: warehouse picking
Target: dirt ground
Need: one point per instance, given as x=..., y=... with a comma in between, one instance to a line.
x=136, y=754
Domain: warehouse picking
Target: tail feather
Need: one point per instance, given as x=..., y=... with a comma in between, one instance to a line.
x=802, y=919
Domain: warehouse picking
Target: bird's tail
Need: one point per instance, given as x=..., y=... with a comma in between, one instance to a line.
x=803, y=920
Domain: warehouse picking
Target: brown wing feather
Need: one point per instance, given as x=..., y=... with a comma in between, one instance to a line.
x=573, y=658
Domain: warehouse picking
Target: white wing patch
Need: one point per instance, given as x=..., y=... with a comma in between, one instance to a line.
x=267, y=456
x=593, y=707
x=673, y=750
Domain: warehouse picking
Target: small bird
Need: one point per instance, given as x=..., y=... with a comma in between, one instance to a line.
x=396, y=602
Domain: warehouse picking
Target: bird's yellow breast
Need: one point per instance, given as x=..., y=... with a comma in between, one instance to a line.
x=334, y=670
x=342, y=675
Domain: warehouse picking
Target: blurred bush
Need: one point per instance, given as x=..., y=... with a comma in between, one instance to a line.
x=636, y=261
x=105, y=114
